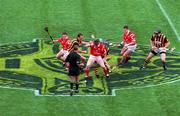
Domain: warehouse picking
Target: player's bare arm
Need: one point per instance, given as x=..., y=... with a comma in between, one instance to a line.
x=167, y=44
x=88, y=44
x=55, y=41
x=152, y=44
x=82, y=51
x=132, y=43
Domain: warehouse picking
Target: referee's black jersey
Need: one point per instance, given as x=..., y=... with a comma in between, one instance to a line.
x=74, y=60
x=159, y=41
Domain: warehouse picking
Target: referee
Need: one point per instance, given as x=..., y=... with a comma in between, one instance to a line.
x=159, y=44
x=74, y=69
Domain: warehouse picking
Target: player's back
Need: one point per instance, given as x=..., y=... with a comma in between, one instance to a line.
x=73, y=59
x=159, y=41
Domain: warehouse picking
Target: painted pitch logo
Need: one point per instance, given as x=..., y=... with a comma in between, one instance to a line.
x=33, y=65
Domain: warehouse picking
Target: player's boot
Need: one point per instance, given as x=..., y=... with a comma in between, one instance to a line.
x=165, y=67
x=119, y=62
x=107, y=76
x=97, y=76
x=63, y=64
x=77, y=91
x=89, y=81
x=127, y=59
x=71, y=92
x=142, y=68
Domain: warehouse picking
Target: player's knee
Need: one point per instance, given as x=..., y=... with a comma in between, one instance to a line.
x=163, y=59
x=125, y=54
x=122, y=53
x=87, y=67
x=149, y=57
x=72, y=79
x=58, y=57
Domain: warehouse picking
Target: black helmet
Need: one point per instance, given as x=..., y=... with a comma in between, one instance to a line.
x=64, y=33
x=125, y=27
x=157, y=31
x=96, y=41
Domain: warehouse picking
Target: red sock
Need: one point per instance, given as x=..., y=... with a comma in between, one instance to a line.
x=67, y=65
x=83, y=60
x=87, y=72
x=105, y=71
x=106, y=67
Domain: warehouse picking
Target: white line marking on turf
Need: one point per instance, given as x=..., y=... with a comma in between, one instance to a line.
x=53, y=95
x=24, y=89
x=37, y=93
x=114, y=90
x=168, y=19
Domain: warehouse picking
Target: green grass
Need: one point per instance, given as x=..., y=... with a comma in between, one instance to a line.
x=154, y=101
x=24, y=20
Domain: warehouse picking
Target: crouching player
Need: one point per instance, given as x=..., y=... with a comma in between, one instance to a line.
x=96, y=53
x=74, y=60
x=105, y=53
x=129, y=45
x=65, y=43
x=159, y=44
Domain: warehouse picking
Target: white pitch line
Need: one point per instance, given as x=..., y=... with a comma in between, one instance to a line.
x=36, y=92
x=114, y=90
x=15, y=88
x=73, y=95
x=168, y=19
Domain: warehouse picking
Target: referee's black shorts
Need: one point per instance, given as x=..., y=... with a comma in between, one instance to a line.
x=74, y=72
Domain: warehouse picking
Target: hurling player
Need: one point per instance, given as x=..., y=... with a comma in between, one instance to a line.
x=159, y=44
x=129, y=45
x=65, y=43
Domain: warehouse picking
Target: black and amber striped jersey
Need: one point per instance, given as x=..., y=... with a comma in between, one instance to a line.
x=73, y=43
x=159, y=40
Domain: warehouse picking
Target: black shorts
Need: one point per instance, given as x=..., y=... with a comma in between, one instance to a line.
x=74, y=72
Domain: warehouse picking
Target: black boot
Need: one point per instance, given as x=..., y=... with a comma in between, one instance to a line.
x=164, y=65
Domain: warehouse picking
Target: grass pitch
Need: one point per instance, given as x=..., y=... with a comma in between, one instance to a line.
x=24, y=20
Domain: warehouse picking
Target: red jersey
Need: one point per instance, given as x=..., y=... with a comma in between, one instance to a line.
x=65, y=42
x=97, y=50
x=105, y=50
x=129, y=37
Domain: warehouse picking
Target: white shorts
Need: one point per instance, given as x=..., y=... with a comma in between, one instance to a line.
x=98, y=59
x=132, y=48
x=65, y=54
x=160, y=50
